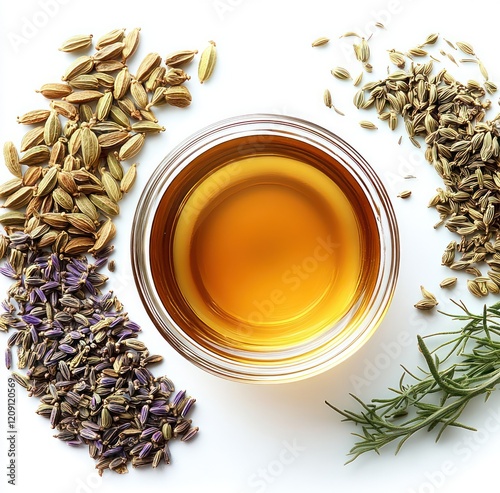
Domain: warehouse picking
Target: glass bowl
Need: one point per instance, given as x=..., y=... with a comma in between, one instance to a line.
x=265, y=249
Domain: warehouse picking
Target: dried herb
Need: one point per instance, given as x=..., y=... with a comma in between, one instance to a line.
x=78, y=348
x=466, y=365
x=99, y=118
x=448, y=117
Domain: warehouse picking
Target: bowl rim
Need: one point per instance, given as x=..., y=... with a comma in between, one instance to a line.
x=253, y=124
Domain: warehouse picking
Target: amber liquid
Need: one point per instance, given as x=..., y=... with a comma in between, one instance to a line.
x=260, y=248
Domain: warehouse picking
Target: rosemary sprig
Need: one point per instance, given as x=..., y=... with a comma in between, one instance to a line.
x=438, y=395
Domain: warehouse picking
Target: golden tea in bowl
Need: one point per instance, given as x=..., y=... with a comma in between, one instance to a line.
x=262, y=252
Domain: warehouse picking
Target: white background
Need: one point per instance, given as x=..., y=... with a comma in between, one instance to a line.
x=266, y=64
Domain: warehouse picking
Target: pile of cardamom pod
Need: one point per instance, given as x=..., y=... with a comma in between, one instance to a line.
x=70, y=174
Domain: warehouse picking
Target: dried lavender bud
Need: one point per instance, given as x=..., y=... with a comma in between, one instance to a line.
x=81, y=351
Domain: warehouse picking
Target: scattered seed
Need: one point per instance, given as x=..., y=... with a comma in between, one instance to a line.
x=320, y=41
x=327, y=98
x=207, y=62
x=368, y=125
x=341, y=73
x=426, y=304
x=449, y=118
x=448, y=282
x=427, y=294
x=350, y=34
x=465, y=47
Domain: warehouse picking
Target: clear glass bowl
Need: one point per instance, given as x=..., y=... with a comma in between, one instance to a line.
x=253, y=134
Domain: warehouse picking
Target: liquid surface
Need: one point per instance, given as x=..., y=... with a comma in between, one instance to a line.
x=267, y=252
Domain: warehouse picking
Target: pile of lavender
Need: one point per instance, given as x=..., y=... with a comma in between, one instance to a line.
x=84, y=360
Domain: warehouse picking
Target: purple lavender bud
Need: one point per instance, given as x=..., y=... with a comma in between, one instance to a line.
x=50, y=285
x=90, y=425
x=48, y=271
x=8, y=271
x=34, y=335
x=8, y=358
x=116, y=408
x=141, y=376
x=66, y=348
x=54, y=260
x=74, y=443
x=99, y=446
x=113, y=451
x=41, y=350
x=132, y=326
x=143, y=417
x=73, y=289
x=187, y=407
x=7, y=306
x=73, y=399
x=157, y=436
x=78, y=263
x=108, y=381
x=28, y=307
x=88, y=434
x=123, y=334
x=124, y=426
x=33, y=296
x=160, y=411
x=145, y=450
x=148, y=432
x=53, y=298
x=41, y=295
x=178, y=397
x=34, y=281
x=103, y=366
x=58, y=325
x=30, y=319
x=58, y=355
x=118, y=320
x=90, y=287
x=101, y=261
x=55, y=415
x=53, y=333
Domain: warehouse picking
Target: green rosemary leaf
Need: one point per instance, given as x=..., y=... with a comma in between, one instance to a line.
x=412, y=407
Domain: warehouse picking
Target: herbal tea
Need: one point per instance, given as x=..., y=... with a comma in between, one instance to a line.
x=261, y=245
